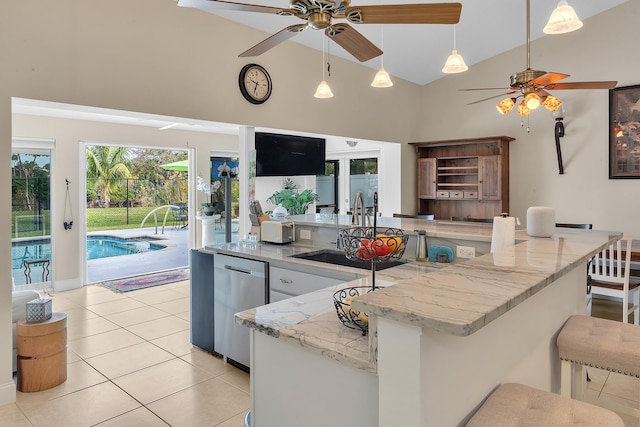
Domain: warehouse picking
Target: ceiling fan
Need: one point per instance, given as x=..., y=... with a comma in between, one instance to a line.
x=532, y=86
x=318, y=15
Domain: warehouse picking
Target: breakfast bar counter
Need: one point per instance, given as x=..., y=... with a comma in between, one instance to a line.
x=439, y=340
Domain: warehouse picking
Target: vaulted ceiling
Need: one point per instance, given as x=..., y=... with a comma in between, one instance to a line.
x=417, y=52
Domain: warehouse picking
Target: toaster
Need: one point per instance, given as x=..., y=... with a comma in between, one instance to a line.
x=277, y=231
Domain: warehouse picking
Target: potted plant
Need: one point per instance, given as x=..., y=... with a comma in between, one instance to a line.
x=207, y=208
x=294, y=201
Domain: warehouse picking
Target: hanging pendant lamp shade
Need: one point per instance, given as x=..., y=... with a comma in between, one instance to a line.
x=323, y=91
x=382, y=78
x=455, y=63
x=563, y=20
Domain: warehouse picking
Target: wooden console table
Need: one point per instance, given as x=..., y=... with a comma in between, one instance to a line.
x=42, y=353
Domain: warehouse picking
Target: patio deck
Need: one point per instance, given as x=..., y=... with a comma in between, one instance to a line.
x=175, y=255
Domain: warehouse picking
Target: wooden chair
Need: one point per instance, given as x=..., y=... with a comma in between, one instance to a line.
x=609, y=274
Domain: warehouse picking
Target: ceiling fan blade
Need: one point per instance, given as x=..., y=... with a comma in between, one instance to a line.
x=549, y=78
x=227, y=5
x=492, y=97
x=353, y=42
x=432, y=13
x=273, y=41
x=582, y=85
x=485, y=88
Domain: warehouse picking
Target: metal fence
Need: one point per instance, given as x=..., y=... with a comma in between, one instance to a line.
x=130, y=200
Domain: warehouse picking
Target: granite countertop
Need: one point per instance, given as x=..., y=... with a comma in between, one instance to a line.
x=457, y=299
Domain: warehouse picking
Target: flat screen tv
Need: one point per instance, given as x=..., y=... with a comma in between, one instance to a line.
x=289, y=155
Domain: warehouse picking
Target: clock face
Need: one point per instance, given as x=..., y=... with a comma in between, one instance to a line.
x=255, y=83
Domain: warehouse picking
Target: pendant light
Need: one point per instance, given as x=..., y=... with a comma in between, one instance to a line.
x=455, y=63
x=563, y=20
x=382, y=78
x=323, y=90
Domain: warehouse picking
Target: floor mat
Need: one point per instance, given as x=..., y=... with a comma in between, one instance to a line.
x=146, y=281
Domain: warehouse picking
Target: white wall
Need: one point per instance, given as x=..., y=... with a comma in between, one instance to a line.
x=604, y=49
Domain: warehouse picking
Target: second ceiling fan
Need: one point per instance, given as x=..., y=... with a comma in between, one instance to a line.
x=532, y=86
x=319, y=15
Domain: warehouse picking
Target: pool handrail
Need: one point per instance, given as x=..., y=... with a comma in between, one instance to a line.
x=155, y=217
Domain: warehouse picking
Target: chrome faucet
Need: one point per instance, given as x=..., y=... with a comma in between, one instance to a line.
x=363, y=216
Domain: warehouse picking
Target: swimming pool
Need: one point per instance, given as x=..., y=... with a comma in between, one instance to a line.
x=97, y=247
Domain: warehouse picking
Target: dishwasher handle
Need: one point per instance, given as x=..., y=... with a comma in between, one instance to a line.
x=238, y=269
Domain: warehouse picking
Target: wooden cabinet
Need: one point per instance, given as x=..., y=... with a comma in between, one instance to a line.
x=489, y=177
x=463, y=178
x=426, y=178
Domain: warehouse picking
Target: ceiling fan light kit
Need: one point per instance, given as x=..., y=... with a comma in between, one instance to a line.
x=532, y=85
x=532, y=100
x=551, y=103
x=563, y=20
x=506, y=105
x=523, y=110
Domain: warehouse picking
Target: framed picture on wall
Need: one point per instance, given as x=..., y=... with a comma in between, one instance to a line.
x=624, y=132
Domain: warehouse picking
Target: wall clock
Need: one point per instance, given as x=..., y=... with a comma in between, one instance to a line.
x=255, y=83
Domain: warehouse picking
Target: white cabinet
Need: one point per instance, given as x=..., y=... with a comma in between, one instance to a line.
x=285, y=282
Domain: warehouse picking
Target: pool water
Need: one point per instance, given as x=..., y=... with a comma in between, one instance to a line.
x=97, y=247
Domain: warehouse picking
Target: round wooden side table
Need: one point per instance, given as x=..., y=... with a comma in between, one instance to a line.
x=42, y=353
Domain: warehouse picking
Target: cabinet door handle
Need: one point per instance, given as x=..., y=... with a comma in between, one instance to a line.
x=286, y=281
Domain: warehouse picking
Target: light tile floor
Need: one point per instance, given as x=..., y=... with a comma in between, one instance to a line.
x=130, y=363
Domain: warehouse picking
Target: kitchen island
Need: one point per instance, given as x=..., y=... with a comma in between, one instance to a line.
x=440, y=340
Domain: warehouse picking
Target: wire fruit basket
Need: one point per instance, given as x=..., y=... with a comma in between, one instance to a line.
x=366, y=244
x=349, y=317
x=370, y=244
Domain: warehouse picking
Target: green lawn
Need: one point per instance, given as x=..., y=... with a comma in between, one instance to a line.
x=116, y=218
x=97, y=219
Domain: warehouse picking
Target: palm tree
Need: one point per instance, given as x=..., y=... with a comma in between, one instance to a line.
x=107, y=165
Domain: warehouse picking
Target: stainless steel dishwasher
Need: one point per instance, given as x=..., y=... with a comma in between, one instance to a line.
x=239, y=284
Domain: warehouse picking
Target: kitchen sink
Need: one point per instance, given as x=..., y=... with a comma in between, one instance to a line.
x=338, y=258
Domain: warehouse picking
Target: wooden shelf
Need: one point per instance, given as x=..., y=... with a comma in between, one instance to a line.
x=463, y=178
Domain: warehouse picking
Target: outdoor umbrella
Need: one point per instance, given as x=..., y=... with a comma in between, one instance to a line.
x=182, y=165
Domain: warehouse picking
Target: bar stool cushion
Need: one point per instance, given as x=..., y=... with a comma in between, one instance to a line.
x=518, y=405
x=601, y=343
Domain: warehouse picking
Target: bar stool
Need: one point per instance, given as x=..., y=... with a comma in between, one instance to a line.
x=518, y=405
x=599, y=343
